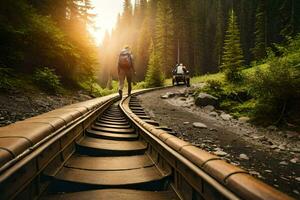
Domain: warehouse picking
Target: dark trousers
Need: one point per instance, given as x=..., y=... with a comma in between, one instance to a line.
x=125, y=73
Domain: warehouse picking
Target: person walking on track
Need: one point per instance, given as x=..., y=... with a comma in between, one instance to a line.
x=125, y=69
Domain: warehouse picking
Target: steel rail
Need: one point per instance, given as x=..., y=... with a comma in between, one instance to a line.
x=14, y=170
x=226, y=180
x=43, y=144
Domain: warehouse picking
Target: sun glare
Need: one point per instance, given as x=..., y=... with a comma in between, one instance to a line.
x=107, y=12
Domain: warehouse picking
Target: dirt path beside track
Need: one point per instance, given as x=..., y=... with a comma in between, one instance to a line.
x=271, y=155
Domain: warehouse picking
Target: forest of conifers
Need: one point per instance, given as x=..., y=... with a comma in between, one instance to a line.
x=53, y=33
x=254, y=44
x=47, y=33
x=199, y=27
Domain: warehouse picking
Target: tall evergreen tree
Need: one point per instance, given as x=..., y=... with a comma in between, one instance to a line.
x=125, y=26
x=164, y=36
x=144, y=41
x=259, y=50
x=197, y=30
x=127, y=8
x=287, y=12
x=233, y=57
x=200, y=28
x=219, y=37
x=154, y=76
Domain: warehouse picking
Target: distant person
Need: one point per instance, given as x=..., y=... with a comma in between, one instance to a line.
x=125, y=69
x=179, y=69
x=175, y=69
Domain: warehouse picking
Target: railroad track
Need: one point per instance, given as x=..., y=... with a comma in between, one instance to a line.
x=110, y=149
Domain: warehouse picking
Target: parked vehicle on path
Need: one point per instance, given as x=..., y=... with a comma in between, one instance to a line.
x=181, y=75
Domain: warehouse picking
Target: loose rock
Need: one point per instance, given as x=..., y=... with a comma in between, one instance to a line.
x=226, y=117
x=168, y=95
x=204, y=99
x=272, y=128
x=296, y=150
x=283, y=163
x=294, y=160
x=213, y=114
x=292, y=134
x=255, y=173
x=199, y=125
x=208, y=141
x=208, y=109
x=20, y=99
x=220, y=153
x=296, y=192
x=243, y=157
x=281, y=147
x=244, y=119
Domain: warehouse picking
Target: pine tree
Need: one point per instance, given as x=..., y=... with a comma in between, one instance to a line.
x=259, y=50
x=164, y=36
x=233, y=55
x=287, y=14
x=219, y=37
x=144, y=42
x=197, y=31
x=126, y=19
x=86, y=16
x=127, y=11
x=154, y=76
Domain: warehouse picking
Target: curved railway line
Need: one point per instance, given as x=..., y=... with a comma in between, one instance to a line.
x=110, y=149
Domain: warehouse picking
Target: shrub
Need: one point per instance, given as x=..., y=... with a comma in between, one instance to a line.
x=140, y=85
x=5, y=80
x=233, y=75
x=214, y=84
x=234, y=98
x=154, y=75
x=276, y=89
x=47, y=80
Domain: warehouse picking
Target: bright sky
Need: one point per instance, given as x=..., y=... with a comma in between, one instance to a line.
x=107, y=12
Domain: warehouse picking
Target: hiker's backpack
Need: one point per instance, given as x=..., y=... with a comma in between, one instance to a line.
x=125, y=60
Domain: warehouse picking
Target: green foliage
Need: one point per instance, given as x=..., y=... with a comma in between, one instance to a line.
x=259, y=50
x=154, y=76
x=214, y=84
x=233, y=54
x=143, y=48
x=244, y=109
x=277, y=87
x=199, y=27
x=30, y=37
x=47, y=80
x=227, y=91
x=287, y=12
x=233, y=98
x=140, y=85
x=220, y=77
x=219, y=37
x=164, y=37
x=5, y=80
